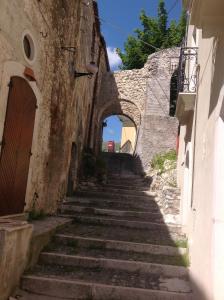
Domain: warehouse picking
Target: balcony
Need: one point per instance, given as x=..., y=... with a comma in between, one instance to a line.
x=187, y=81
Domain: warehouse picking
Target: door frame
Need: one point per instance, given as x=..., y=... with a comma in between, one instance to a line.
x=9, y=70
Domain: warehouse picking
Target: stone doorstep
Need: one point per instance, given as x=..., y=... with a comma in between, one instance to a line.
x=16, y=217
x=121, y=245
x=74, y=289
x=113, y=264
x=49, y=224
x=14, y=222
x=43, y=231
x=128, y=224
x=10, y=225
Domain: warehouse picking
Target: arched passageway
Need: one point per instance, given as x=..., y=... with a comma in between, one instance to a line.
x=118, y=134
x=125, y=113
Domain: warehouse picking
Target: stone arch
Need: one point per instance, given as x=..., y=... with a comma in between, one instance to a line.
x=119, y=107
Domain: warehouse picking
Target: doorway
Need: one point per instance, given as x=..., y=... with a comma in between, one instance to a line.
x=16, y=146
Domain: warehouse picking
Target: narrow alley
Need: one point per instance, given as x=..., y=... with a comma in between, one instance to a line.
x=111, y=149
x=117, y=246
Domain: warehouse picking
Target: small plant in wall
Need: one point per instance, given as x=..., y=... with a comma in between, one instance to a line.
x=164, y=161
x=34, y=213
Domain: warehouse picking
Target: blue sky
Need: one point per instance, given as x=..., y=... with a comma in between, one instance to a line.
x=119, y=19
x=113, y=130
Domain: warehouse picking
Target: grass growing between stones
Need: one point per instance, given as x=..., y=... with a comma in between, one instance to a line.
x=36, y=215
x=158, y=161
x=181, y=243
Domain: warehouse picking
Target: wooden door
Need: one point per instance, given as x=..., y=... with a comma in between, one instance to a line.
x=16, y=146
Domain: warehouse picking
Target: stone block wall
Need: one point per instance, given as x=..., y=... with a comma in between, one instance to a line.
x=64, y=102
x=15, y=238
x=158, y=134
x=144, y=96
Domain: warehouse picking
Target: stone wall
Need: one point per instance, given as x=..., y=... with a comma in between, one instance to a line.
x=158, y=134
x=64, y=103
x=144, y=96
x=15, y=237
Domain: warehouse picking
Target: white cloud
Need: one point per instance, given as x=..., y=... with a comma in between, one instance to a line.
x=114, y=58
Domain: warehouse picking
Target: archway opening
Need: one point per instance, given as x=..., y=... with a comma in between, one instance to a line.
x=118, y=134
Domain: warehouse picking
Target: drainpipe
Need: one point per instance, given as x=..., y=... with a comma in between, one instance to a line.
x=194, y=145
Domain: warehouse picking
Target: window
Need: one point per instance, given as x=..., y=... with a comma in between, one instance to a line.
x=28, y=47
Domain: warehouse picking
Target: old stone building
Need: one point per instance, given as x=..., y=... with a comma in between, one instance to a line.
x=145, y=96
x=56, y=89
x=45, y=114
x=42, y=45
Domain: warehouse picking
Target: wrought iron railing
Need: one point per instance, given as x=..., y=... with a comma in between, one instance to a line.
x=187, y=78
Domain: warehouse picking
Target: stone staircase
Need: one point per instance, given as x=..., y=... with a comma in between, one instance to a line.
x=117, y=248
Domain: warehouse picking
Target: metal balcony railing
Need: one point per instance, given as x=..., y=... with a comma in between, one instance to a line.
x=187, y=78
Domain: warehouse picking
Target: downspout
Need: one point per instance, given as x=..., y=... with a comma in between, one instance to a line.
x=194, y=144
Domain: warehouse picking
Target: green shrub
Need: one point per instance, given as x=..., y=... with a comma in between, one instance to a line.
x=158, y=160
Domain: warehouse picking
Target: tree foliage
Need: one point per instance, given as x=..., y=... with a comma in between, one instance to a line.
x=155, y=32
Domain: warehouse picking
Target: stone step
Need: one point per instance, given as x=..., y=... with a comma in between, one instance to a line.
x=148, y=206
x=125, y=234
x=100, y=249
x=125, y=176
x=116, y=245
x=76, y=289
x=104, y=264
x=128, y=187
x=126, y=181
x=123, y=192
x=158, y=227
x=115, y=195
x=23, y=295
x=72, y=210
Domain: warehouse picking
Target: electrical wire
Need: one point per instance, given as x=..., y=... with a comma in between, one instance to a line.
x=120, y=29
x=172, y=7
